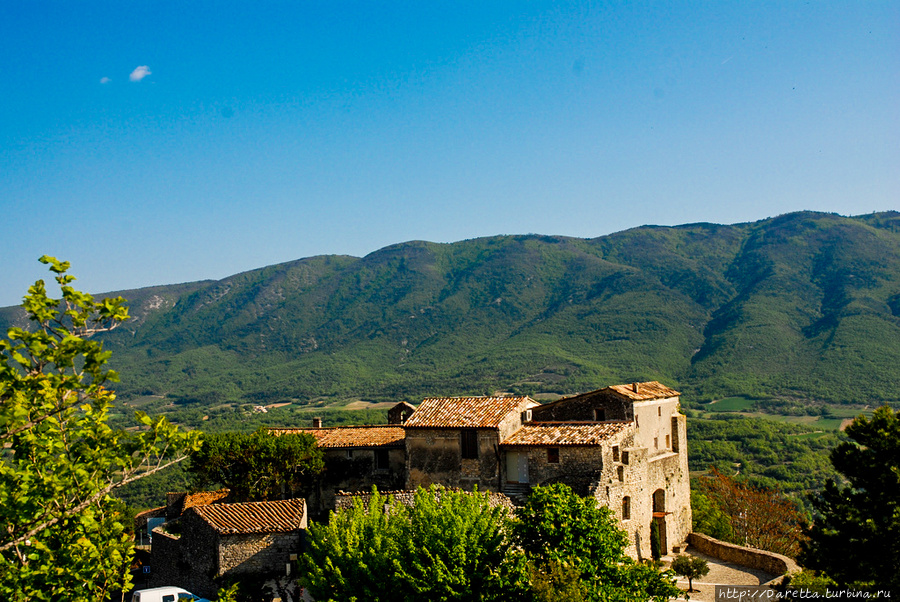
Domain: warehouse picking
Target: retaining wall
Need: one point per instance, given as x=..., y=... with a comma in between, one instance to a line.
x=770, y=562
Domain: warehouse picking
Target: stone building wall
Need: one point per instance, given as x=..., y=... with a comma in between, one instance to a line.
x=646, y=475
x=578, y=466
x=653, y=423
x=433, y=456
x=187, y=560
x=351, y=472
x=581, y=408
x=260, y=554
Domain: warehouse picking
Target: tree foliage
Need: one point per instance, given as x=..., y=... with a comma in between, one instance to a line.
x=855, y=538
x=256, y=466
x=448, y=545
x=691, y=567
x=62, y=537
x=759, y=517
x=558, y=527
x=452, y=545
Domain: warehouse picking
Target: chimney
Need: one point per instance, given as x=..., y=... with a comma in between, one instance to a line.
x=317, y=423
x=634, y=387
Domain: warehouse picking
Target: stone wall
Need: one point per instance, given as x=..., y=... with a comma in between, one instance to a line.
x=770, y=562
x=187, y=560
x=653, y=423
x=578, y=467
x=433, y=457
x=259, y=554
x=639, y=479
x=355, y=471
x=581, y=408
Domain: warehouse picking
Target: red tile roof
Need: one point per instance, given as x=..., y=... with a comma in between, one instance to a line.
x=178, y=503
x=382, y=435
x=564, y=433
x=254, y=517
x=645, y=391
x=460, y=412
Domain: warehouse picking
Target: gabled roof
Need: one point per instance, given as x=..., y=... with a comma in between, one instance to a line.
x=564, y=433
x=381, y=435
x=461, y=412
x=645, y=391
x=254, y=517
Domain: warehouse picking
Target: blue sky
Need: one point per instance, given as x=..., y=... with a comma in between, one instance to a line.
x=162, y=142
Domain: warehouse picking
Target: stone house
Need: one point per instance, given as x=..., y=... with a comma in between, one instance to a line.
x=356, y=457
x=455, y=441
x=209, y=543
x=624, y=445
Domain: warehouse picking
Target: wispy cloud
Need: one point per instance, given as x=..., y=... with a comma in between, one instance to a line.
x=139, y=73
x=105, y=80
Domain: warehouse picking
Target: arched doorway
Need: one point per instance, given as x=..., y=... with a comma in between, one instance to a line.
x=659, y=515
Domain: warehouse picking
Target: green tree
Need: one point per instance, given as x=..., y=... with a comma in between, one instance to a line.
x=557, y=526
x=351, y=557
x=449, y=545
x=654, y=540
x=454, y=547
x=556, y=582
x=690, y=567
x=855, y=538
x=257, y=466
x=62, y=535
x=707, y=517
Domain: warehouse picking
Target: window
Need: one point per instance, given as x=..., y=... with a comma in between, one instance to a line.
x=469, y=444
x=553, y=455
x=659, y=411
x=624, y=457
x=656, y=442
x=637, y=423
x=615, y=453
x=381, y=459
x=621, y=472
x=668, y=441
x=626, y=508
x=599, y=414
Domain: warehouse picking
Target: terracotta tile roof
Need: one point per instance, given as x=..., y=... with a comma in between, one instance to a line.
x=564, y=433
x=458, y=412
x=381, y=435
x=204, y=498
x=178, y=503
x=645, y=391
x=254, y=517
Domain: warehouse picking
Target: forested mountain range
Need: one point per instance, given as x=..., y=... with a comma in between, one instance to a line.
x=803, y=306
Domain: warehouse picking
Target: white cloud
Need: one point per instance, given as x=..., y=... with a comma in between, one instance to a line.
x=105, y=80
x=139, y=73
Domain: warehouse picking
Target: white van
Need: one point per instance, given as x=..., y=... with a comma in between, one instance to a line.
x=165, y=594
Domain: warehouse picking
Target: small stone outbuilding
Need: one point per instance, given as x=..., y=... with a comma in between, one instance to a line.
x=356, y=457
x=210, y=543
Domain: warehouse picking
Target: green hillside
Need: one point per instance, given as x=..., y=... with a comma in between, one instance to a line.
x=805, y=306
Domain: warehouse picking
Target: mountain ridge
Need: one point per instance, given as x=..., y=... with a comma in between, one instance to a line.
x=804, y=306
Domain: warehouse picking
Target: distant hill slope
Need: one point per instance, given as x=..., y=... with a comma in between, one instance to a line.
x=803, y=306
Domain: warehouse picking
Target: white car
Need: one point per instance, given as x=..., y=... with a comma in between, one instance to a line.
x=165, y=594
